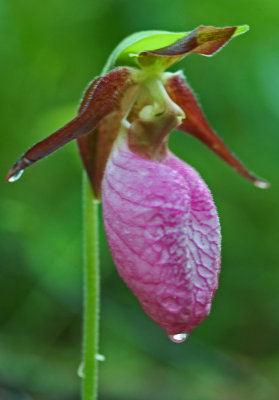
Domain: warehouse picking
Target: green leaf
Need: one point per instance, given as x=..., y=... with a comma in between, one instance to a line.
x=157, y=50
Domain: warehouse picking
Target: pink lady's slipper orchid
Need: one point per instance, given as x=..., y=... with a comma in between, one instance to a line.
x=160, y=219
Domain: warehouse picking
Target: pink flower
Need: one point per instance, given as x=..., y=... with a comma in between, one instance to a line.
x=160, y=219
x=164, y=234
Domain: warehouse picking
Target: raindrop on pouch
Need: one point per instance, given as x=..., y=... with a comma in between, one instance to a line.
x=178, y=338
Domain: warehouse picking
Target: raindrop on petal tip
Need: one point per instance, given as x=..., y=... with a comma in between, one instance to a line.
x=16, y=176
x=178, y=338
x=262, y=184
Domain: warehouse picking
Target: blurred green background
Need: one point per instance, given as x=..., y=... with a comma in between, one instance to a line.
x=49, y=51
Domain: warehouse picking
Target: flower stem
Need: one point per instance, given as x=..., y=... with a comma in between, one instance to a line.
x=91, y=293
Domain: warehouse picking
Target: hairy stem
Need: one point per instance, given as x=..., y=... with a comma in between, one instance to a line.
x=91, y=294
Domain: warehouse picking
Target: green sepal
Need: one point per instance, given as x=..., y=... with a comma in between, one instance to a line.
x=157, y=50
x=128, y=50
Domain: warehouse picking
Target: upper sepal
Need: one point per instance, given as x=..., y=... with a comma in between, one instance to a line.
x=160, y=49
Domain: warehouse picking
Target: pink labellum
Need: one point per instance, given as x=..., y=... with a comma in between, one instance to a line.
x=164, y=234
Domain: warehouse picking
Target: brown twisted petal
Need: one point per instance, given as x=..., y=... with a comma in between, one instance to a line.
x=102, y=97
x=196, y=124
x=203, y=40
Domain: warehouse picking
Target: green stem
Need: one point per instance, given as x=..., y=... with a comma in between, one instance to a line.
x=91, y=294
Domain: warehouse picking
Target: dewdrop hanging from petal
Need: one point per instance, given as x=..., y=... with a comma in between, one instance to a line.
x=160, y=219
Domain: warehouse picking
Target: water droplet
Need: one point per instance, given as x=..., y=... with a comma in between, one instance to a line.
x=262, y=184
x=100, y=357
x=16, y=176
x=179, y=337
x=80, y=370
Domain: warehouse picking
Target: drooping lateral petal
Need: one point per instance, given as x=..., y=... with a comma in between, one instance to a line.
x=163, y=231
x=102, y=97
x=196, y=124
